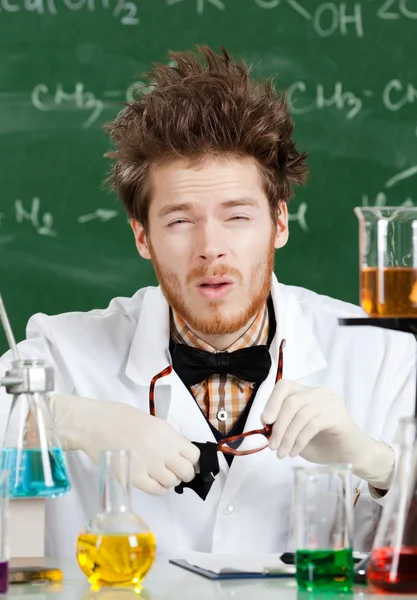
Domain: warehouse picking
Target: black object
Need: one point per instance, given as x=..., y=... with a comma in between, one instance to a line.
x=248, y=364
x=361, y=569
x=209, y=468
x=288, y=558
x=407, y=325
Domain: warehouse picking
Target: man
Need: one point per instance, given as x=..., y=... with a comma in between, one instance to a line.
x=205, y=166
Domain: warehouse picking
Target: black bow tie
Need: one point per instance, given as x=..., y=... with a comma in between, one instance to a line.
x=193, y=365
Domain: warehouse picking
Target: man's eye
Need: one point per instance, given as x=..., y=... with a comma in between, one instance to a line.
x=177, y=222
x=239, y=218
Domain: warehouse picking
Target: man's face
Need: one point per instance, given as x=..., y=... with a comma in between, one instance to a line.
x=211, y=240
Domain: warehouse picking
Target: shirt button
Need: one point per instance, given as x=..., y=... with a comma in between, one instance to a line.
x=222, y=415
x=228, y=509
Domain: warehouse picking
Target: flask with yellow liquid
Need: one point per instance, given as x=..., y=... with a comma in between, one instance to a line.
x=116, y=548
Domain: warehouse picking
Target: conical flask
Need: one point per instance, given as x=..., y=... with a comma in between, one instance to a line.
x=116, y=548
x=393, y=565
x=32, y=452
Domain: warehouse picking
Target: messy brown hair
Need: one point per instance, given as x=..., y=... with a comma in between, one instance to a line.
x=203, y=108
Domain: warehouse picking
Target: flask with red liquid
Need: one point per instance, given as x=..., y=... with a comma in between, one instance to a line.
x=393, y=564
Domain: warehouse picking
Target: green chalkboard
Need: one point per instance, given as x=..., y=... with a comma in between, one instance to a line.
x=67, y=66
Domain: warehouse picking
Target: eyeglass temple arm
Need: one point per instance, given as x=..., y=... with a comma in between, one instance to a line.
x=164, y=373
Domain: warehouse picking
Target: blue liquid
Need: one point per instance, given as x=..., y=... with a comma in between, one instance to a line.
x=29, y=477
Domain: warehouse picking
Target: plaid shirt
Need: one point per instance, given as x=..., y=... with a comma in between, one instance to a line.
x=222, y=392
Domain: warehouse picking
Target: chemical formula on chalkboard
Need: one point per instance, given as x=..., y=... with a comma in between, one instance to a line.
x=126, y=11
x=327, y=18
x=303, y=99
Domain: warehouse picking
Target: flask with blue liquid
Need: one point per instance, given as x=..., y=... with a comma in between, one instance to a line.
x=32, y=454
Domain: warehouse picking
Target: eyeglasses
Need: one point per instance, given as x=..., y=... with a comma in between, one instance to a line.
x=254, y=441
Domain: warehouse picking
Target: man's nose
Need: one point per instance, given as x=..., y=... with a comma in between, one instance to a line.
x=211, y=242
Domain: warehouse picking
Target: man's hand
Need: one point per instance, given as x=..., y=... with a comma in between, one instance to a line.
x=160, y=457
x=314, y=423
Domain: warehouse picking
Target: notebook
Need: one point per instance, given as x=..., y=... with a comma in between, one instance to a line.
x=229, y=566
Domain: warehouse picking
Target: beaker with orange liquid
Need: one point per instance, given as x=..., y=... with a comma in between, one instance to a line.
x=388, y=260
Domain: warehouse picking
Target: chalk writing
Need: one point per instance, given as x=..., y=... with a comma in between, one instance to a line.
x=343, y=100
x=200, y=4
x=401, y=176
x=381, y=197
x=42, y=224
x=397, y=95
x=300, y=216
x=395, y=9
x=125, y=10
x=327, y=18
x=303, y=98
x=343, y=18
x=267, y=3
x=101, y=214
x=80, y=98
x=296, y=6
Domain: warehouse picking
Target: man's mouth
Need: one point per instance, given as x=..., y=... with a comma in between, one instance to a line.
x=214, y=287
x=215, y=281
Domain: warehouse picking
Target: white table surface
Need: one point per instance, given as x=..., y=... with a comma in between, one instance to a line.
x=169, y=582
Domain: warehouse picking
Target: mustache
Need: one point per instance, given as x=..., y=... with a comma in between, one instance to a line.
x=217, y=271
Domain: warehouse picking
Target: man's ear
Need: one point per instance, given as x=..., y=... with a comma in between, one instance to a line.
x=282, y=234
x=140, y=239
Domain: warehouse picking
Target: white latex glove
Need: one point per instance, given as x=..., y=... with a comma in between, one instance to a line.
x=315, y=424
x=160, y=457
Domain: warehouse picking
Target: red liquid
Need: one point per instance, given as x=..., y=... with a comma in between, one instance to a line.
x=385, y=578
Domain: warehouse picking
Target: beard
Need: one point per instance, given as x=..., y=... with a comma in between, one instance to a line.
x=212, y=320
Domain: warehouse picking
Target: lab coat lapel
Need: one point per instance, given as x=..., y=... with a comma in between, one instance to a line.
x=149, y=355
x=302, y=357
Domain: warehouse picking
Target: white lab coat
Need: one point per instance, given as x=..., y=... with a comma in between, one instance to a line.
x=112, y=354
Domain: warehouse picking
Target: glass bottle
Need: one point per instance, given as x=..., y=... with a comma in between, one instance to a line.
x=116, y=547
x=393, y=564
x=32, y=452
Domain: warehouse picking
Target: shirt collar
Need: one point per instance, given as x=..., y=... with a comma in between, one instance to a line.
x=255, y=335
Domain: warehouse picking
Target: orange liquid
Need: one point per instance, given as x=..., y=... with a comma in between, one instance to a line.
x=110, y=560
x=390, y=292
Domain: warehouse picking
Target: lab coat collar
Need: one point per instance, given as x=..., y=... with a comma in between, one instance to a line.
x=149, y=352
x=302, y=352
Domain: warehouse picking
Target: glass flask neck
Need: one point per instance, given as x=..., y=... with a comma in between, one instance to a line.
x=115, y=482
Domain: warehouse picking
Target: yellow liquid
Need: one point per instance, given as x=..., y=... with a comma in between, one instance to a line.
x=390, y=292
x=116, y=559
